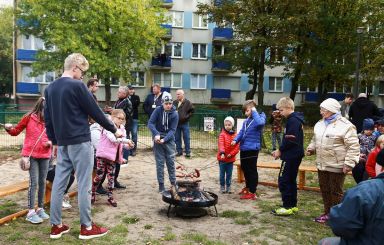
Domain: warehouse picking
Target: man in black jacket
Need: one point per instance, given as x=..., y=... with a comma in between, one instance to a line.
x=361, y=109
x=185, y=110
x=135, y=100
x=68, y=106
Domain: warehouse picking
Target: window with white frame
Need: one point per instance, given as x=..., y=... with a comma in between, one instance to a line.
x=381, y=87
x=46, y=77
x=138, y=78
x=174, y=50
x=171, y=80
x=200, y=21
x=199, y=50
x=301, y=88
x=218, y=49
x=177, y=18
x=31, y=42
x=198, y=81
x=276, y=55
x=276, y=84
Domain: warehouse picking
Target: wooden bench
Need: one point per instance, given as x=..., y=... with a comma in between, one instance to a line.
x=22, y=186
x=302, y=170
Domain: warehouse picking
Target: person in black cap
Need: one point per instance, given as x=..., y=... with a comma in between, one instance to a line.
x=359, y=218
x=135, y=100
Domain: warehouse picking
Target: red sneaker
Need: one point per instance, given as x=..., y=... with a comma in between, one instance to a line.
x=244, y=191
x=96, y=231
x=249, y=196
x=57, y=231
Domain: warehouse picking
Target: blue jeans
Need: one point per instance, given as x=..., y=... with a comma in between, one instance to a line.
x=276, y=137
x=165, y=153
x=183, y=129
x=226, y=173
x=330, y=241
x=37, y=175
x=80, y=158
x=133, y=131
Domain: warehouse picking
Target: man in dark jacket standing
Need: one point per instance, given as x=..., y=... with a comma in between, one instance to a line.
x=153, y=100
x=359, y=218
x=185, y=109
x=68, y=106
x=135, y=100
x=361, y=109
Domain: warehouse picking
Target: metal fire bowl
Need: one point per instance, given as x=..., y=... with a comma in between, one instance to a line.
x=167, y=197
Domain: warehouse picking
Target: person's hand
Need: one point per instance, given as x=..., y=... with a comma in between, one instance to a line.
x=253, y=109
x=118, y=133
x=54, y=151
x=130, y=144
x=8, y=126
x=276, y=154
x=222, y=156
x=48, y=144
x=125, y=161
x=107, y=109
x=229, y=156
x=309, y=152
x=346, y=169
x=157, y=139
x=161, y=141
x=233, y=143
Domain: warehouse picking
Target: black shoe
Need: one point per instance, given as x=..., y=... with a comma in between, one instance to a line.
x=101, y=191
x=133, y=153
x=119, y=186
x=188, y=155
x=179, y=154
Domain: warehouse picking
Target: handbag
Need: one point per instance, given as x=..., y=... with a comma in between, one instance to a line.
x=25, y=162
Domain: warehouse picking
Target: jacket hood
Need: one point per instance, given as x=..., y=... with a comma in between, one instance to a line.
x=361, y=102
x=298, y=115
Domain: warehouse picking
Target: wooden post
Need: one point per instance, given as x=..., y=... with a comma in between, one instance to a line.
x=301, y=179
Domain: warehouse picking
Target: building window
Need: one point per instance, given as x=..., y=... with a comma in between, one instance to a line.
x=199, y=51
x=218, y=49
x=200, y=21
x=276, y=55
x=138, y=78
x=177, y=18
x=42, y=78
x=198, y=81
x=276, y=84
x=301, y=88
x=174, y=50
x=31, y=42
x=171, y=80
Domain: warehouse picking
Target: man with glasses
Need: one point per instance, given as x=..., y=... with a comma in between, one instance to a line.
x=68, y=106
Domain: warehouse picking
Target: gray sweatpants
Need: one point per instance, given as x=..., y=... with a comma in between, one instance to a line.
x=165, y=153
x=77, y=157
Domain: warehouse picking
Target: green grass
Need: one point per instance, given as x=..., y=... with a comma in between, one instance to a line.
x=148, y=227
x=201, y=239
x=130, y=220
x=8, y=208
x=239, y=217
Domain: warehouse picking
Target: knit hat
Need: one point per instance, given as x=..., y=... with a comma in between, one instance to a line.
x=166, y=98
x=380, y=122
x=380, y=158
x=230, y=119
x=274, y=108
x=368, y=124
x=331, y=105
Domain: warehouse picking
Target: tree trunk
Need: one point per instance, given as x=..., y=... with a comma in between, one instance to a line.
x=107, y=92
x=295, y=84
x=260, y=91
x=250, y=95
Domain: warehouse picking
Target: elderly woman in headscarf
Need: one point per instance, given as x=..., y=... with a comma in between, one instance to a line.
x=337, y=150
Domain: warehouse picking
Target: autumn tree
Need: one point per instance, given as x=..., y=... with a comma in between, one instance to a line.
x=6, y=34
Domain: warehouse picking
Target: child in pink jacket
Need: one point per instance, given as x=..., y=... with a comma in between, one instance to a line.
x=109, y=152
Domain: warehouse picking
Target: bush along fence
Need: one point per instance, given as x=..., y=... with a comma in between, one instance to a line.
x=205, y=126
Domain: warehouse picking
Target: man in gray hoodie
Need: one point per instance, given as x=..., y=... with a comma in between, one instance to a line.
x=163, y=124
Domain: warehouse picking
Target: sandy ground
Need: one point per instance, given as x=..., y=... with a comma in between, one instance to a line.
x=142, y=200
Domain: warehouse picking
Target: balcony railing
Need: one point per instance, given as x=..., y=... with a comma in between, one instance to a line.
x=220, y=95
x=161, y=62
x=167, y=3
x=222, y=34
x=168, y=28
x=26, y=55
x=27, y=88
x=221, y=66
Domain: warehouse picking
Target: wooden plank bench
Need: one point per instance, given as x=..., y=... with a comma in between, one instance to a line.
x=302, y=170
x=22, y=186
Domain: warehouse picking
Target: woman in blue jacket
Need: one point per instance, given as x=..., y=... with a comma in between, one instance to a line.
x=249, y=138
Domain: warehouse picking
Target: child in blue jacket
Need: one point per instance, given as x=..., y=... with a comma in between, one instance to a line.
x=249, y=138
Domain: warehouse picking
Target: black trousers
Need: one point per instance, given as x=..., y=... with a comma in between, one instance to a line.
x=287, y=182
x=51, y=178
x=359, y=173
x=248, y=162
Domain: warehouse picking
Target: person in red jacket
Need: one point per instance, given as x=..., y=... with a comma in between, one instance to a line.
x=38, y=147
x=227, y=154
x=371, y=161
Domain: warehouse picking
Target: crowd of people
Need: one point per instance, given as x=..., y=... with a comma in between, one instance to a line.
x=67, y=124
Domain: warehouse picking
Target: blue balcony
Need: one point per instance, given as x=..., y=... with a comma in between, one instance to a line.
x=221, y=66
x=221, y=2
x=314, y=96
x=161, y=62
x=167, y=3
x=168, y=28
x=222, y=34
x=220, y=95
x=26, y=55
x=27, y=88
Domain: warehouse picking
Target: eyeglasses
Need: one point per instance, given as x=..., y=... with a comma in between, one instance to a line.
x=82, y=71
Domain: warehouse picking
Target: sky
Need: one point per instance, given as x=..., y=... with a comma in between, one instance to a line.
x=6, y=2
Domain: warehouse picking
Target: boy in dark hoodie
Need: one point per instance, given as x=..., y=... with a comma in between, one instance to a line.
x=291, y=153
x=163, y=124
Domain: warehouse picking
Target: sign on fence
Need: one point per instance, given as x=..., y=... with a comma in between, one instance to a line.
x=209, y=123
x=239, y=123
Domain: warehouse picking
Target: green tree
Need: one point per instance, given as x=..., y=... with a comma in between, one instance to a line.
x=6, y=35
x=115, y=36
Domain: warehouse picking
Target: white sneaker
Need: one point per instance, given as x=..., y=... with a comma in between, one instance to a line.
x=66, y=204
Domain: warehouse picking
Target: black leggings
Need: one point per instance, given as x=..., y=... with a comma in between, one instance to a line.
x=51, y=177
x=248, y=161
